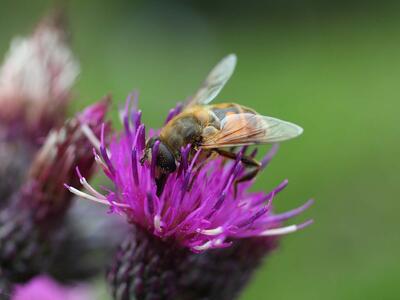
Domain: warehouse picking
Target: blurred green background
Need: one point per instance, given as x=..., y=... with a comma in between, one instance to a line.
x=332, y=67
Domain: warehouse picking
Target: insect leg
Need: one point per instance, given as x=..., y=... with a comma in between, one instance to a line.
x=160, y=183
x=149, y=145
x=248, y=161
x=248, y=176
x=145, y=156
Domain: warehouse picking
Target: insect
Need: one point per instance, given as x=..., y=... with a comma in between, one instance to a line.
x=213, y=127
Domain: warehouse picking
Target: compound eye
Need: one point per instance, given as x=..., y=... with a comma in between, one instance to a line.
x=165, y=159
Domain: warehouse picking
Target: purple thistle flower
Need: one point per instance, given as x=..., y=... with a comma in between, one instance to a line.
x=197, y=208
x=178, y=244
x=45, y=288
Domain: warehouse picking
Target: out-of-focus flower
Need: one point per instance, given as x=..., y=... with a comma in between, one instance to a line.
x=64, y=150
x=31, y=224
x=35, y=81
x=35, y=85
x=197, y=210
x=45, y=288
x=15, y=158
x=88, y=243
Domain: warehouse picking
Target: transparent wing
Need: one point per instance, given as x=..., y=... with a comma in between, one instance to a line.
x=249, y=129
x=214, y=82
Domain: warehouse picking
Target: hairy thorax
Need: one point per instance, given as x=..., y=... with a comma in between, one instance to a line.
x=189, y=128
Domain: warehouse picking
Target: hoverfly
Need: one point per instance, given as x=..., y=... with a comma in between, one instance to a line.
x=212, y=127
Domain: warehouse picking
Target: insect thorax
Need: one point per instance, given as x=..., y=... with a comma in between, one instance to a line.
x=181, y=131
x=187, y=128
